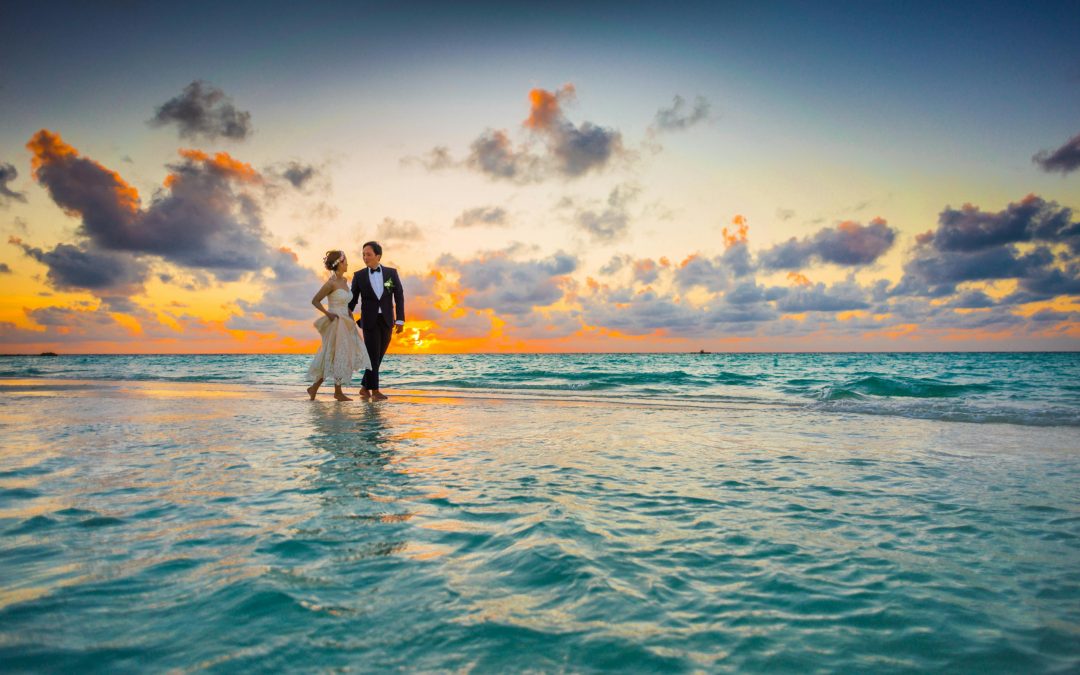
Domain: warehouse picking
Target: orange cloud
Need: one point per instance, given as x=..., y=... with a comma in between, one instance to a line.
x=48, y=147
x=544, y=107
x=739, y=236
x=129, y=322
x=51, y=150
x=975, y=334
x=221, y=162
x=908, y=331
x=644, y=265
x=798, y=279
x=853, y=314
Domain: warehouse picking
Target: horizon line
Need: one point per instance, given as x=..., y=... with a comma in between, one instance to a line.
x=522, y=353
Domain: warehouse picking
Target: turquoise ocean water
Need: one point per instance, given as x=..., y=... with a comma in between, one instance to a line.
x=1016, y=388
x=547, y=513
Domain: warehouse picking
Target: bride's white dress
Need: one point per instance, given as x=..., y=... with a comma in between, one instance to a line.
x=342, y=352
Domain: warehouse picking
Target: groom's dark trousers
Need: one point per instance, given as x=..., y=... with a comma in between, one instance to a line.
x=377, y=316
x=377, y=341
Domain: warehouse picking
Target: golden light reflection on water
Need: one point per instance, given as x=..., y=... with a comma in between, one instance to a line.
x=122, y=388
x=189, y=394
x=31, y=481
x=523, y=609
x=418, y=551
x=450, y=525
x=40, y=506
x=383, y=517
x=382, y=499
x=180, y=531
x=439, y=493
x=10, y=594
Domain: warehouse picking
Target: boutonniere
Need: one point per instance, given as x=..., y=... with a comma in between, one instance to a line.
x=389, y=284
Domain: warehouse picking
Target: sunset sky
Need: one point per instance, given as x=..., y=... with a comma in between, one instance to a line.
x=545, y=176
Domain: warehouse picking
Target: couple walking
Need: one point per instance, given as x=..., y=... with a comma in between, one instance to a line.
x=377, y=289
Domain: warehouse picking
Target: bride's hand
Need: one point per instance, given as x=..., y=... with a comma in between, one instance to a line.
x=330, y=316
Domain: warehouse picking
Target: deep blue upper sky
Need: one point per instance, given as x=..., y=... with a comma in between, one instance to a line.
x=942, y=47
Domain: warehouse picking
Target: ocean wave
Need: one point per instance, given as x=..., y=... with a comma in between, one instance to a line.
x=804, y=381
x=616, y=377
x=579, y=381
x=159, y=377
x=21, y=372
x=898, y=386
x=725, y=377
x=549, y=384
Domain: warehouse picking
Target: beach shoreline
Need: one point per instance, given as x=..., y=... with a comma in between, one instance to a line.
x=162, y=388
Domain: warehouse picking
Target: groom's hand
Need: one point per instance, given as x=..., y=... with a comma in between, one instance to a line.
x=399, y=328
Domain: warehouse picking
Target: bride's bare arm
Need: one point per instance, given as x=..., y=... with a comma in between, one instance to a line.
x=326, y=289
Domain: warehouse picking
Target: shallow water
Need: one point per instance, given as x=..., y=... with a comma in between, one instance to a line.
x=157, y=526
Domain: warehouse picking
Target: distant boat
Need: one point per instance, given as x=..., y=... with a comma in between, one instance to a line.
x=48, y=354
x=704, y=352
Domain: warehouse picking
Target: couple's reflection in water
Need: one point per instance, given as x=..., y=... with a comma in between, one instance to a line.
x=364, y=497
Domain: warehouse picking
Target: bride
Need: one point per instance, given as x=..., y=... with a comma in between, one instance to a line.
x=342, y=352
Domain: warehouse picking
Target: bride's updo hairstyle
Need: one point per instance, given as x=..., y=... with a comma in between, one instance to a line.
x=332, y=258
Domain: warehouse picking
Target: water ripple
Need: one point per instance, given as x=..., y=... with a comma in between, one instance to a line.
x=270, y=533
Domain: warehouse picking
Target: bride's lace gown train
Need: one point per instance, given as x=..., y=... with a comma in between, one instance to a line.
x=342, y=352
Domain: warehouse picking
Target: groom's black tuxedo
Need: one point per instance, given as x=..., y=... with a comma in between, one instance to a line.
x=377, y=315
x=392, y=302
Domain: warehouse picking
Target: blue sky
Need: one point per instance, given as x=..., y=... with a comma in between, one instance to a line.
x=819, y=113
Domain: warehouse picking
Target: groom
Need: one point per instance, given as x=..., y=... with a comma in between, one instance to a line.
x=378, y=290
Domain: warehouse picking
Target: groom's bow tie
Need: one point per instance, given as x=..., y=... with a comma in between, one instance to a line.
x=377, y=269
